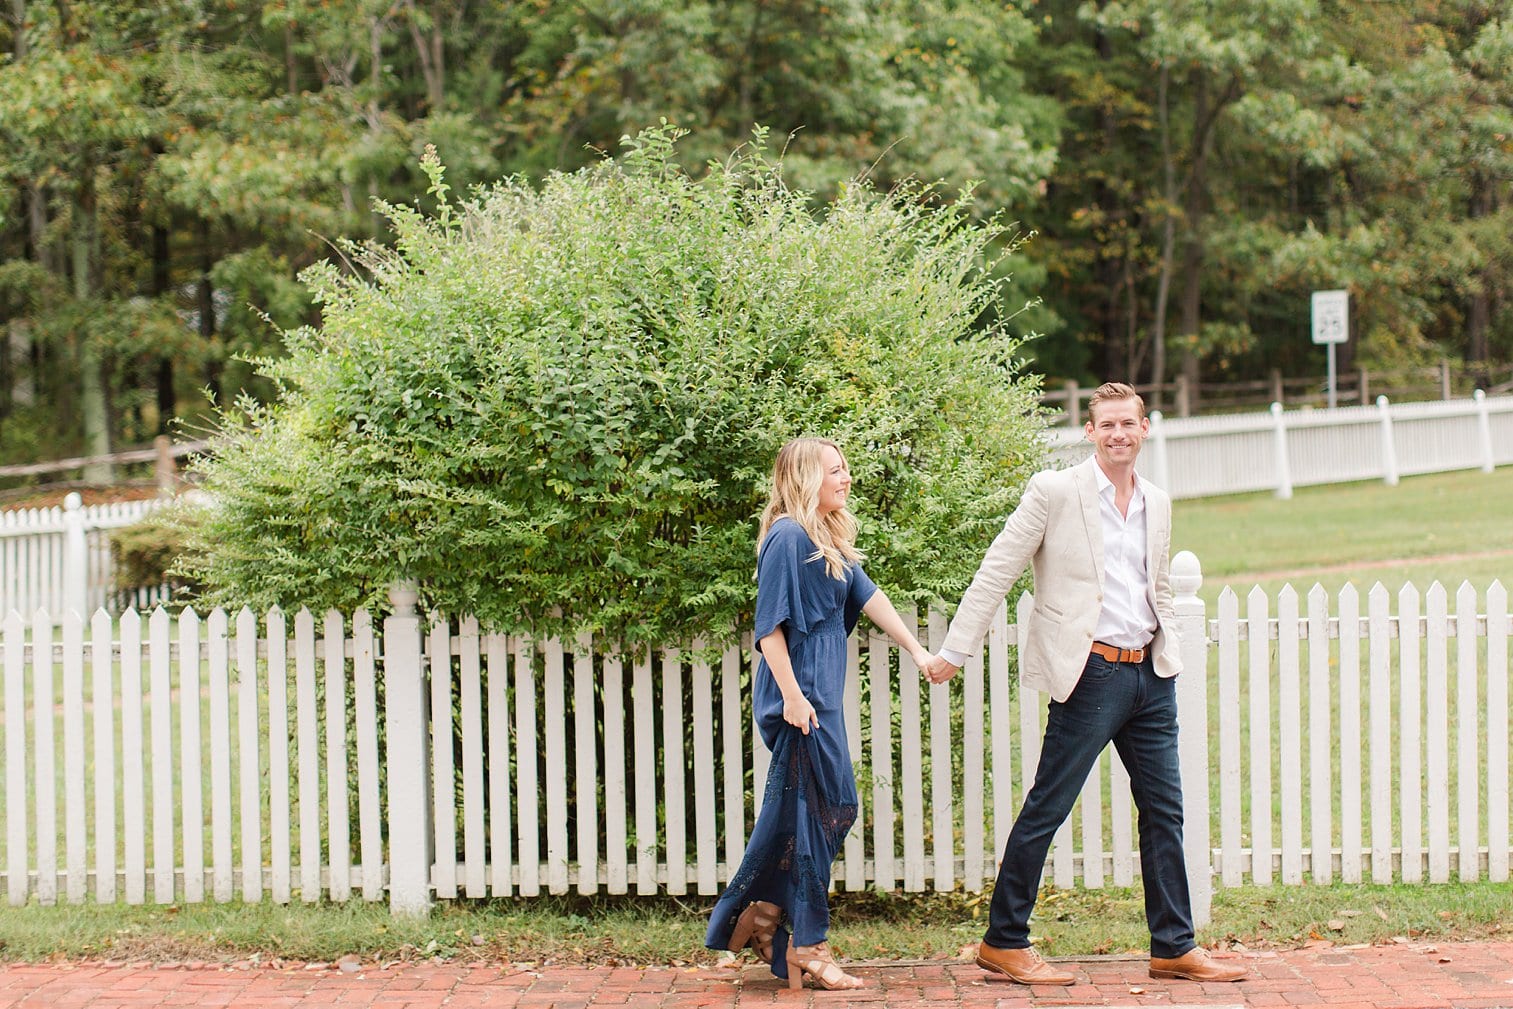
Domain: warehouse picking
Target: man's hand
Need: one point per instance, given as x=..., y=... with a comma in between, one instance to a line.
x=938, y=670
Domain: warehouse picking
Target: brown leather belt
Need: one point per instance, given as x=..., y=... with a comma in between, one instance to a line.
x=1113, y=654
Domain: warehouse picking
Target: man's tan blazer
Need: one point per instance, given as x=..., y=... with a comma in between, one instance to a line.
x=1057, y=530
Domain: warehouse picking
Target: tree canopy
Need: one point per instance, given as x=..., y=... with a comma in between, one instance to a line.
x=1192, y=169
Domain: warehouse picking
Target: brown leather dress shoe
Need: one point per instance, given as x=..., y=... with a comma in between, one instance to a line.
x=1022, y=965
x=1194, y=965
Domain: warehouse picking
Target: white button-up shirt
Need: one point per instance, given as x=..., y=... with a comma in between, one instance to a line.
x=1128, y=619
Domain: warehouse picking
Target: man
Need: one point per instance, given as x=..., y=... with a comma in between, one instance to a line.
x=1100, y=642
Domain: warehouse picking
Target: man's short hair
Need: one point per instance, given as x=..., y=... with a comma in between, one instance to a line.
x=1111, y=391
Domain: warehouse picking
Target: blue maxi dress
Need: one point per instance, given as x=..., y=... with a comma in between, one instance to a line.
x=810, y=798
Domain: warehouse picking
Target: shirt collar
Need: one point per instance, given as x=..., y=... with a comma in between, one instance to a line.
x=1106, y=486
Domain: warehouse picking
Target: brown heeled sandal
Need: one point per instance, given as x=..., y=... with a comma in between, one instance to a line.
x=755, y=928
x=817, y=962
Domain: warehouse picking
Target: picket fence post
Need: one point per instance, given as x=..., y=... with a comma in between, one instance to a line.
x=75, y=579
x=1279, y=452
x=407, y=727
x=1192, y=740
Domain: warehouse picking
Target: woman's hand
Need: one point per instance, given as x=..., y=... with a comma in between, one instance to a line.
x=799, y=713
x=922, y=659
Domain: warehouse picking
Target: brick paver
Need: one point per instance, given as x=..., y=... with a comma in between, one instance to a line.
x=1404, y=976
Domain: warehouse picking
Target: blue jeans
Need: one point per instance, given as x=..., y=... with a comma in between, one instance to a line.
x=1129, y=705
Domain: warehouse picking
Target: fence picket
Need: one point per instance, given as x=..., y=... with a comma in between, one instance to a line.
x=365, y=732
x=103, y=694
x=338, y=815
x=705, y=857
x=1231, y=868
x=734, y=764
x=974, y=783
x=942, y=805
x=161, y=695
x=642, y=704
x=249, y=763
x=501, y=851
x=1467, y=727
x=281, y=881
x=880, y=708
x=1320, y=772
x=475, y=883
x=616, y=871
x=1258, y=625
x=443, y=796
x=552, y=693
x=526, y=795
x=1410, y=774
x=674, y=827
x=76, y=844
x=1092, y=825
x=1497, y=733
x=1379, y=661
x=16, y=790
x=852, y=870
x=307, y=730
x=44, y=757
x=1003, y=739
x=586, y=770
x=1437, y=736
x=1290, y=734
x=911, y=766
x=1121, y=811
x=1351, y=834
x=133, y=772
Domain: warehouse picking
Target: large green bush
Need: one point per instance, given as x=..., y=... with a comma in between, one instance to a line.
x=556, y=407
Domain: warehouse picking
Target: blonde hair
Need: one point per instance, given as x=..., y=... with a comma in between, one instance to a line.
x=1109, y=391
x=797, y=476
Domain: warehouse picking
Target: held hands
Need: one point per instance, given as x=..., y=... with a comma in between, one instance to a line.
x=938, y=670
x=799, y=713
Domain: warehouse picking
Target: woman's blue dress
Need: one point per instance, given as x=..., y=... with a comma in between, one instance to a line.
x=810, y=798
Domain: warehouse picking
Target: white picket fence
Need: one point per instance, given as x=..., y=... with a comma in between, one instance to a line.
x=59, y=558
x=231, y=757
x=1279, y=450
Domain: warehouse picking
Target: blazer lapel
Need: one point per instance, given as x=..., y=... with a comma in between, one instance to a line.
x=1092, y=521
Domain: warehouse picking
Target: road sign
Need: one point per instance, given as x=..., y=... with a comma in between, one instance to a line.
x=1331, y=325
x=1331, y=316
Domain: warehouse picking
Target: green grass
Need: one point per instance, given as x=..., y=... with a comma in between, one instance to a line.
x=635, y=931
x=1447, y=526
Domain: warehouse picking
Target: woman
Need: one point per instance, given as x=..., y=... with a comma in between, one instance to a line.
x=810, y=589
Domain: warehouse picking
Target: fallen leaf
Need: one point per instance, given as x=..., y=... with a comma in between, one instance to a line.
x=1444, y=959
x=1379, y=912
x=1135, y=990
x=1335, y=925
x=1350, y=914
x=967, y=952
x=1446, y=915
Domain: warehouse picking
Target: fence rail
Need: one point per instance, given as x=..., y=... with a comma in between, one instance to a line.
x=1279, y=450
x=238, y=756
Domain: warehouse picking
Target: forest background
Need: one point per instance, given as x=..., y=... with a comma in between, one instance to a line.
x=1190, y=169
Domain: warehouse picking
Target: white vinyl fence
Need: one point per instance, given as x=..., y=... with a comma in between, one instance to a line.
x=1279, y=450
x=188, y=759
x=59, y=558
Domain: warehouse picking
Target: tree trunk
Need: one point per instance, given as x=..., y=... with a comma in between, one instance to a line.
x=1168, y=237
x=205, y=298
x=291, y=66
x=167, y=401
x=94, y=410
x=1192, y=239
x=1479, y=311
x=1110, y=263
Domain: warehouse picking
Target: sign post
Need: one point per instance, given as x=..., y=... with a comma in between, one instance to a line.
x=1331, y=325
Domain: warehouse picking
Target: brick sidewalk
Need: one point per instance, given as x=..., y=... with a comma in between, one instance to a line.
x=1409, y=976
